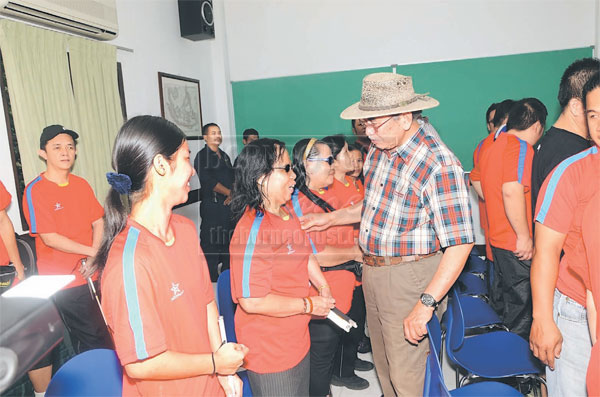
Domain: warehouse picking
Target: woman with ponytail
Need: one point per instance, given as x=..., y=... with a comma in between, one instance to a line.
x=335, y=248
x=271, y=266
x=157, y=295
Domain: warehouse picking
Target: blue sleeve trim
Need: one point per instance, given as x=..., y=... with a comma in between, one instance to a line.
x=555, y=178
x=131, y=294
x=522, y=156
x=248, y=252
x=32, y=220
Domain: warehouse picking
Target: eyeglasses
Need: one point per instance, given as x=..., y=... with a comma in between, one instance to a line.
x=328, y=160
x=370, y=122
x=286, y=168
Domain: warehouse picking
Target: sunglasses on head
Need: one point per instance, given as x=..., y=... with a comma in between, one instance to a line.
x=328, y=160
x=286, y=168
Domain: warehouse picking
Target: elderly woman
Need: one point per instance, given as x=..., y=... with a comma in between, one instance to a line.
x=315, y=167
x=271, y=266
x=156, y=291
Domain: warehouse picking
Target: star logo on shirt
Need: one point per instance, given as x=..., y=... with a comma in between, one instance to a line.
x=58, y=206
x=176, y=291
x=290, y=249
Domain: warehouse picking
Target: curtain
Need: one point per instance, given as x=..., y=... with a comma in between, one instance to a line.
x=54, y=78
x=98, y=106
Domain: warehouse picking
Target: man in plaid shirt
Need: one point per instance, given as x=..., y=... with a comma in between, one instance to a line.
x=416, y=202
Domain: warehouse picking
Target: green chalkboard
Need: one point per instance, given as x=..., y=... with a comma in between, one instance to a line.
x=291, y=108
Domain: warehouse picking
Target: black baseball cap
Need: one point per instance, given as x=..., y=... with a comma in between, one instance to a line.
x=51, y=131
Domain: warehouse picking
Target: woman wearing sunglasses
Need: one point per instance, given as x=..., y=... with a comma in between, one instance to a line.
x=313, y=165
x=271, y=266
x=156, y=290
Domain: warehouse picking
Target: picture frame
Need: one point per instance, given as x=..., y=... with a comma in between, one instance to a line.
x=180, y=103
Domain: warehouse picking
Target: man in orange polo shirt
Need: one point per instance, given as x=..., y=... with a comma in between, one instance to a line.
x=506, y=181
x=559, y=335
x=66, y=220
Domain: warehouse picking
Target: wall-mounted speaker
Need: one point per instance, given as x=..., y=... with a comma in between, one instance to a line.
x=196, y=20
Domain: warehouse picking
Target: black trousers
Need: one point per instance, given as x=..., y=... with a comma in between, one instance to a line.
x=324, y=341
x=514, y=287
x=83, y=319
x=346, y=354
x=215, y=234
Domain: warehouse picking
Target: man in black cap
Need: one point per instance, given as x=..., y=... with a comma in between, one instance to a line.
x=66, y=220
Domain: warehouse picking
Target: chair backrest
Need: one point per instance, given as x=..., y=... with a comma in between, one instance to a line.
x=434, y=379
x=456, y=324
x=92, y=373
x=226, y=305
x=26, y=247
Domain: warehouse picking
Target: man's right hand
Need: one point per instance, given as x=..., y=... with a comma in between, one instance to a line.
x=545, y=341
x=524, y=249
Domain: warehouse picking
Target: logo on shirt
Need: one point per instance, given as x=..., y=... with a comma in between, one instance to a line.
x=176, y=291
x=290, y=249
x=58, y=206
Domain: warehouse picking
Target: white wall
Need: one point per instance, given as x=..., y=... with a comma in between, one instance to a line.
x=268, y=38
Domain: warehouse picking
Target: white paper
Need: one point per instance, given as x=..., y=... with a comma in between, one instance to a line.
x=39, y=286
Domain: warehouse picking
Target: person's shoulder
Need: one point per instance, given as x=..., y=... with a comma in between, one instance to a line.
x=439, y=155
x=575, y=165
x=36, y=185
x=78, y=181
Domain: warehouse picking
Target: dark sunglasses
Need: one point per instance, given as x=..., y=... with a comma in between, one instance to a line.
x=286, y=168
x=328, y=160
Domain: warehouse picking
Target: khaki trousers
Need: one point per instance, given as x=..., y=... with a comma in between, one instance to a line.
x=391, y=292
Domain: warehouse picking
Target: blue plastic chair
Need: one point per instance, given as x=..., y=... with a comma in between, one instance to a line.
x=478, y=315
x=227, y=310
x=434, y=379
x=92, y=373
x=472, y=285
x=493, y=355
x=476, y=265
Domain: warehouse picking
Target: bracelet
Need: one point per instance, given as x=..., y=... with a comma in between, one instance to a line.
x=212, y=355
x=311, y=304
x=322, y=287
x=305, y=301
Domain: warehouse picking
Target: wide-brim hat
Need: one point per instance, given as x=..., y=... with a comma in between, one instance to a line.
x=384, y=94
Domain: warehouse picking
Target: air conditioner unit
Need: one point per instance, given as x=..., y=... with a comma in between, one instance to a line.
x=92, y=18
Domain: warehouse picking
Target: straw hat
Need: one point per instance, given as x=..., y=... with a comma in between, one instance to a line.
x=384, y=94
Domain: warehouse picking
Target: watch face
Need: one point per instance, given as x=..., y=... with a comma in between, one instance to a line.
x=427, y=300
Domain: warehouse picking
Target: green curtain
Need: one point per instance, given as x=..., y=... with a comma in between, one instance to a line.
x=54, y=78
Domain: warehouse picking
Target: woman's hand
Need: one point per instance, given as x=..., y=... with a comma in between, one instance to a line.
x=322, y=305
x=229, y=357
x=232, y=385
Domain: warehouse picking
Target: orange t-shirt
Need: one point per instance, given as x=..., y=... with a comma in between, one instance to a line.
x=509, y=159
x=560, y=205
x=587, y=267
x=155, y=299
x=341, y=282
x=475, y=176
x=67, y=210
x=4, y=203
x=270, y=255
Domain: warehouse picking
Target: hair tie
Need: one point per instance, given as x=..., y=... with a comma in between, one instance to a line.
x=309, y=146
x=120, y=182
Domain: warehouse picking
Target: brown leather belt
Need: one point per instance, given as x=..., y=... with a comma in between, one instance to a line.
x=374, y=260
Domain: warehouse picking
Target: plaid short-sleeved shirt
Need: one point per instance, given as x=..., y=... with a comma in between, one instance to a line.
x=416, y=199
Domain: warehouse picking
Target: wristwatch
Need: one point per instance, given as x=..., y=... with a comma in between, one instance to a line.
x=429, y=301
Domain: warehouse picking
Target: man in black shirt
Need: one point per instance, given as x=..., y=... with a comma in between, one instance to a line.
x=215, y=172
x=569, y=135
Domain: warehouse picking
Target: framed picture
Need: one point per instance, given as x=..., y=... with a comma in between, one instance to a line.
x=180, y=103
